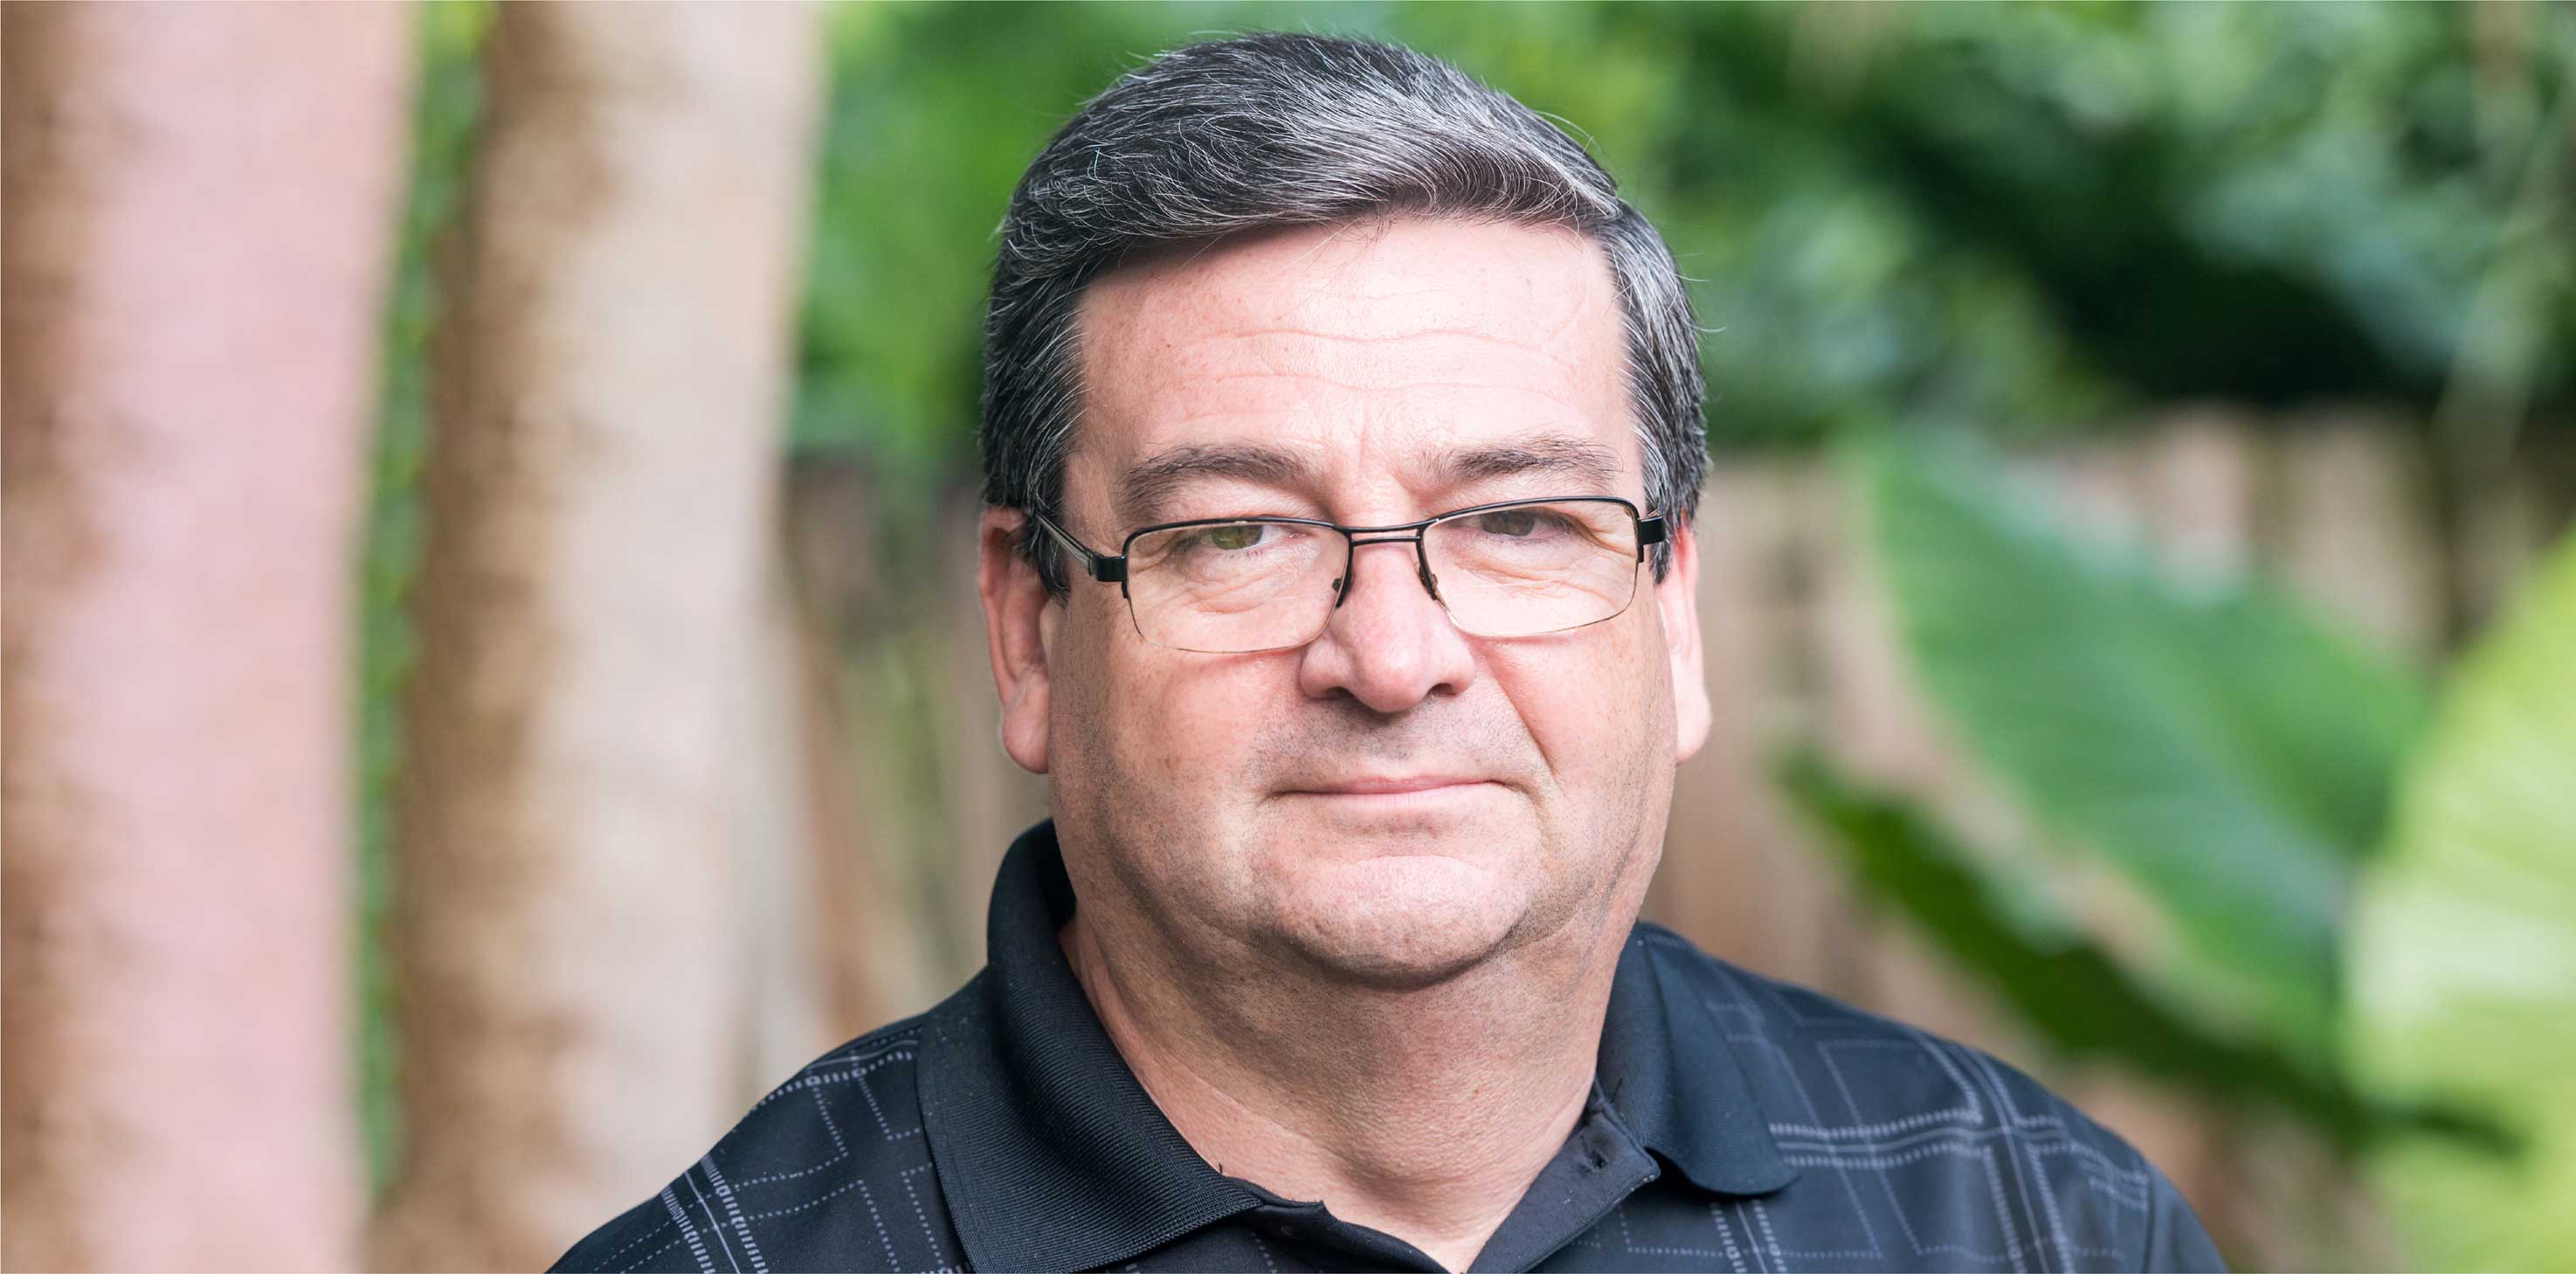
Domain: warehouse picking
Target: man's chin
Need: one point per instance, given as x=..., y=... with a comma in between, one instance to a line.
x=1404, y=921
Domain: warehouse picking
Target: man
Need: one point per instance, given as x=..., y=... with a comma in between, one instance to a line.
x=1342, y=435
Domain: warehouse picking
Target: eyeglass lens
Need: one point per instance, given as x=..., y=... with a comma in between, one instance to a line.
x=1517, y=571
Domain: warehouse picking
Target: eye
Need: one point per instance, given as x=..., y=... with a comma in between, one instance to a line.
x=1230, y=538
x=1514, y=523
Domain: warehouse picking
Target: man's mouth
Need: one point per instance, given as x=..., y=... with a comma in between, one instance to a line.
x=1393, y=785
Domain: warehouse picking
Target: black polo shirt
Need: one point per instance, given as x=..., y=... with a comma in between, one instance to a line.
x=1735, y=1123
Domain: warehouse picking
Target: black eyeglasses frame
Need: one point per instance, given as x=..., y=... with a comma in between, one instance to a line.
x=1112, y=568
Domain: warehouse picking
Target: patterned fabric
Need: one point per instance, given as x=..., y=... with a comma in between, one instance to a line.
x=1735, y=1123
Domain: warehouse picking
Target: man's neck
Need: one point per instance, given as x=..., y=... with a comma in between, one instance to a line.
x=1423, y=1113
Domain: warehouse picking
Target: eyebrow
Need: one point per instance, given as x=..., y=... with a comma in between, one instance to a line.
x=1145, y=494
x=1594, y=465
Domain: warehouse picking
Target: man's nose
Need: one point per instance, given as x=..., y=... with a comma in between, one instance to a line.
x=1389, y=644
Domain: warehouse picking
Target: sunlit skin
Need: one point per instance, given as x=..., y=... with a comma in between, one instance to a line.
x=1350, y=910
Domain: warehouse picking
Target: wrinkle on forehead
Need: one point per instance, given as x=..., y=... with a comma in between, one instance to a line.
x=1146, y=490
x=1419, y=335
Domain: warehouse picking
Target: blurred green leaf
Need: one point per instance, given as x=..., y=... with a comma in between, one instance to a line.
x=447, y=109
x=2023, y=217
x=2075, y=995
x=2463, y=946
x=2219, y=747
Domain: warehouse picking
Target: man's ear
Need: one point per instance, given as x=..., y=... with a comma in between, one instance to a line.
x=1017, y=624
x=1677, y=597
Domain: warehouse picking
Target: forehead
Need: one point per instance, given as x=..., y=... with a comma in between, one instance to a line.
x=1366, y=349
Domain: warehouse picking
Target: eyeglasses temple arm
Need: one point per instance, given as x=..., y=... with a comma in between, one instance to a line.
x=1102, y=567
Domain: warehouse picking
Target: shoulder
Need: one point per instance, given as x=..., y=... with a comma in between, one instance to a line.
x=840, y=1139
x=1877, y=1073
x=1821, y=1068
x=1950, y=1132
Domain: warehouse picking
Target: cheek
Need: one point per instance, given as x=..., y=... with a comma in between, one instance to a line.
x=1594, y=706
x=1180, y=724
x=1163, y=782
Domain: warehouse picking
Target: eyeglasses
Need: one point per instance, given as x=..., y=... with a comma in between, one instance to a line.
x=1520, y=568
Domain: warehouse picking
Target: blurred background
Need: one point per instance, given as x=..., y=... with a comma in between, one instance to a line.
x=493, y=681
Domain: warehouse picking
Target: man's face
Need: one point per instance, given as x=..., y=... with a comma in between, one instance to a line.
x=1253, y=805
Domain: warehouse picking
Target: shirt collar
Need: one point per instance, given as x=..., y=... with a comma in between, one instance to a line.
x=1052, y=1155
x=1668, y=1070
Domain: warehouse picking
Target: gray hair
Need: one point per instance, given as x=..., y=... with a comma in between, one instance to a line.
x=1282, y=129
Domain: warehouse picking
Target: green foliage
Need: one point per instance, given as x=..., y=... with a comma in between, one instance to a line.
x=2016, y=217
x=2463, y=946
x=2237, y=761
x=2080, y=998
x=448, y=104
x=2220, y=748
x=2069, y=208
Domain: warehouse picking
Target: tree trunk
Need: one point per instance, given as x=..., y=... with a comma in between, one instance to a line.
x=568, y=946
x=200, y=205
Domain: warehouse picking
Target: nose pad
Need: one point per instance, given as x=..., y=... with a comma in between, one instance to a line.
x=1342, y=585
